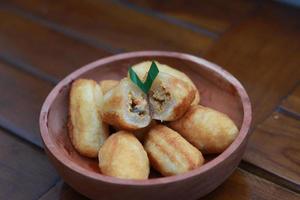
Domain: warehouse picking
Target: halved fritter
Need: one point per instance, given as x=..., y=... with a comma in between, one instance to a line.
x=126, y=107
x=141, y=69
x=169, y=97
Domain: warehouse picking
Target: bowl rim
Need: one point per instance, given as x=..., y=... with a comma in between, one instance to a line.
x=243, y=133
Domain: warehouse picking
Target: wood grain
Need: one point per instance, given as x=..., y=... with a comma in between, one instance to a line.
x=21, y=99
x=116, y=25
x=217, y=16
x=256, y=53
x=241, y=185
x=51, y=52
x=292, y=102
x=25, y=172
x=62, y=191
x=262, y=51
x=274, y=146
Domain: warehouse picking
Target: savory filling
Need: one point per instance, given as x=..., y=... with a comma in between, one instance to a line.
x=137, y=104
x=159, y=97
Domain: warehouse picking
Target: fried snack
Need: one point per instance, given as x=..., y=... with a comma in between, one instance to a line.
x=142, y=68
x=141, y=133
x=207, y=129
x=107, y=85
x=169, y=97
x=169, y=153
x=196, y=99
x=86, y=129
x=126, y=107
x=123, y=156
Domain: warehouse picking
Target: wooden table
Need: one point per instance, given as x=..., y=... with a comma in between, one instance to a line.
x=257, y=41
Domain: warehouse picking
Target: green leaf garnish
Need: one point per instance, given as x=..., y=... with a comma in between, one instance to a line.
x=152, y=73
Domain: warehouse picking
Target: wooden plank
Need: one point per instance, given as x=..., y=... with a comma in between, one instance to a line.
x=217, y=16
x=62, y=191
x=241, y=185
x=263, y=53
x=21, y=99
x=119, y=26
x=274, y=147
x=25, y=41
x=292, y=102
x=25, y=172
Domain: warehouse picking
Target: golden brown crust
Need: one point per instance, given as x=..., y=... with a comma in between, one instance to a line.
x=116, y=120
x=86, y=130
x=123, y=156
x=181, y=108
x=141, y=133
x=196, y=100
x=207, y=129
x=169, y=153
x=115, y=101
x=107, y=85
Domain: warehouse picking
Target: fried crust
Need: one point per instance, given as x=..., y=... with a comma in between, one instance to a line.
x=207, y=129
x=107, y=85
x=86, y=129
x=169, y=153
x=123, y=156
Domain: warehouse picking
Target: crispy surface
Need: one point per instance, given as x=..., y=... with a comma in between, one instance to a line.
x=107, y=85
x=181, y=97
x=141, y=133
x=123, y=156
x=86, y=129
x=196, y=100
x=142, y=68
x=207, y=129
x=116, y=108
x=169, y=153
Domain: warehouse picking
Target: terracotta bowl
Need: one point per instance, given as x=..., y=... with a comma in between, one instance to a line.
x=218, y=89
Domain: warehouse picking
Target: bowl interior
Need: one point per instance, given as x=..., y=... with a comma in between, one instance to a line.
x=215, y=91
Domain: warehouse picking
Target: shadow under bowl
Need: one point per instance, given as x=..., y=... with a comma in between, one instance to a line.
x=218, y=89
